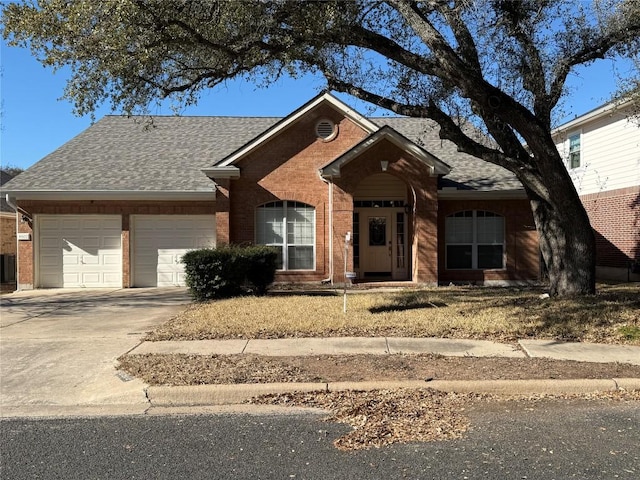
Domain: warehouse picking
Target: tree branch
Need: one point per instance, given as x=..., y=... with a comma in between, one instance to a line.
x=359, y=36
x=532, y=69
x=593, y=51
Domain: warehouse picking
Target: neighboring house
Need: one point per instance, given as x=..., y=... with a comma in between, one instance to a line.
x=602, y=153
x=118, y=205
x=8, y=244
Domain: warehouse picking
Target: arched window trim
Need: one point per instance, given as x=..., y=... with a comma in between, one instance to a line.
x=291, y=226
x=472, y=242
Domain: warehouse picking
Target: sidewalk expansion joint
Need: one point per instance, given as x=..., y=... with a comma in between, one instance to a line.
x=133, y=348
x=245, y=346
x=522, y=349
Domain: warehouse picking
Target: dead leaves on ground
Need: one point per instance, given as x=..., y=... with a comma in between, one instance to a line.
x=384, y=417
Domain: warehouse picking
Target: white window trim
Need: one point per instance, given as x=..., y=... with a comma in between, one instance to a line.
x=576, y=133
x=474, y=243
x=284, y=245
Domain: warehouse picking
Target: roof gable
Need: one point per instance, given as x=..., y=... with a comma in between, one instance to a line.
x=437, y=166
x=225, y=167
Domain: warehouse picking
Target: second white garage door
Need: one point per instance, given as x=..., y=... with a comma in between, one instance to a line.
x=160, y=241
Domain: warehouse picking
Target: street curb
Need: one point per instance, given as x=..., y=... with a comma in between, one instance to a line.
x=223, y=394
x=202, y=395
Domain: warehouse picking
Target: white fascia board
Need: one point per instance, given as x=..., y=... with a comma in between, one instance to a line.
x=222, y=172
x=452, y=194
x=60, y=195
x=594, y=114
x=283, y=124
x=438, y=167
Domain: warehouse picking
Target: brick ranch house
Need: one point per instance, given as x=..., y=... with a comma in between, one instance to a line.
x=118, y=205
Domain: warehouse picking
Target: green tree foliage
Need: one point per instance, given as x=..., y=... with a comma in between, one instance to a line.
x=501, y=64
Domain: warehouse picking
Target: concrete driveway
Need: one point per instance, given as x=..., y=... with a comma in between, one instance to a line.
x=58, y=347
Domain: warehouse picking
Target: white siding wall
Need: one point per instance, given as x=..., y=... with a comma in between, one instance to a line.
x=610, y=153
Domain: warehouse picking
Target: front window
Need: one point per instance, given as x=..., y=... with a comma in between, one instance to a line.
x=574, y=151
x=474, y=240
x=290, y=226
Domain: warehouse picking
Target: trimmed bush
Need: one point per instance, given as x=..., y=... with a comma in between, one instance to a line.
x=262, y=264
x=229, y=271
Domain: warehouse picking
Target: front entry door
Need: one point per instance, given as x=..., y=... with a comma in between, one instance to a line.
x=380, y=249
x=377, y=246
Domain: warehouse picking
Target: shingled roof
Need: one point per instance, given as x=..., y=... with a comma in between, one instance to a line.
x=164, y=154
x=167, y=154
x=467, y=172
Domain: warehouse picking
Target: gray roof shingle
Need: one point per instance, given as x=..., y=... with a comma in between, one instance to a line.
x=131, y=154
x=467, y=172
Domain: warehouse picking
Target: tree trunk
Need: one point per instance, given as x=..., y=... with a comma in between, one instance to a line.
x=567, y=243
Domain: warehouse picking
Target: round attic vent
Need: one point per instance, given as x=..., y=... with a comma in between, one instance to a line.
x=326, y=130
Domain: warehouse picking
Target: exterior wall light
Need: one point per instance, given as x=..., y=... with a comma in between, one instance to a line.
x=383, y=165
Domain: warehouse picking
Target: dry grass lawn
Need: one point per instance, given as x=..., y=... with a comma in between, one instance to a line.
x=499, y=314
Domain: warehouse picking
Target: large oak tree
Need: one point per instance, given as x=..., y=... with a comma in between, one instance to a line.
x=500, y=64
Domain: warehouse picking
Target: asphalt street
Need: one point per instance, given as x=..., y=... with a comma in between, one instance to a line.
x=540, y=440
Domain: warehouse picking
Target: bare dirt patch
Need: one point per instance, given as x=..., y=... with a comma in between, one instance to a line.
x=179, y=369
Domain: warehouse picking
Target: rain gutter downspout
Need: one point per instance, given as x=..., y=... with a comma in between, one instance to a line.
x=10, y=202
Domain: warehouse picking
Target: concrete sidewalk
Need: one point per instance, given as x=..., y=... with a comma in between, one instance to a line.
x=195, y=399
x=208, y=395
x=582, y=352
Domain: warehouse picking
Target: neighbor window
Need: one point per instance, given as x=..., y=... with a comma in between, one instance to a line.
x=574, y=151
x=290, y=226
x=474, y=240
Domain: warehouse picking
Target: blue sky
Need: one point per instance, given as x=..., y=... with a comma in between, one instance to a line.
x=34, y=122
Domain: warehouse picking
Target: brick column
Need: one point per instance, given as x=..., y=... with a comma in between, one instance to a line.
x=222, y=212
x=25, y=260
x=425, y=234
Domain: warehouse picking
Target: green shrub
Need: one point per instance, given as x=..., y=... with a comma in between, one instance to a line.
x=262, y=264
x=229, y=271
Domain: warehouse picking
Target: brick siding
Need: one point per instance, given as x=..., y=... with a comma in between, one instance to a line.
x=8, y=245
x=615, y=218
x=8, y=234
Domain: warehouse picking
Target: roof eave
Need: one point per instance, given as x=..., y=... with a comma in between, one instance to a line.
x=62, y=195
x=222, y=172
x=607, y=109
x=506, y=194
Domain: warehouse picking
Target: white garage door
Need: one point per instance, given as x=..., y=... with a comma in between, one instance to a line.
x=160, y=241
x=80, y=251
